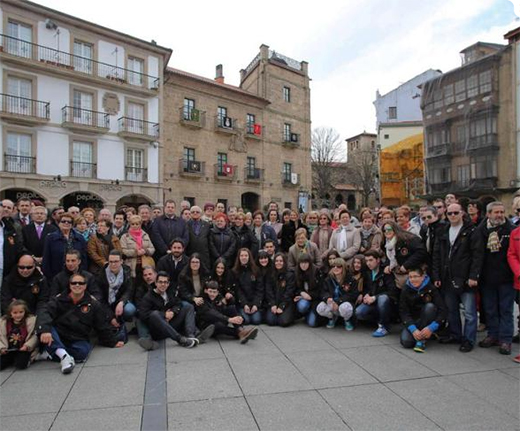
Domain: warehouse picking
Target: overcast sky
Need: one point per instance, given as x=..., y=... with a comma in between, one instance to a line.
x=353, y=47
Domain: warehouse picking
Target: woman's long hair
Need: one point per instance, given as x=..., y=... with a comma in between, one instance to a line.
x=400, y=233
x=339, y=261
x=188, y=273
x=308, y=276
x=264, y=270
x=251, y=265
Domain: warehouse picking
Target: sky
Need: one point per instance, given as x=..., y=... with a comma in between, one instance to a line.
x=353, y=47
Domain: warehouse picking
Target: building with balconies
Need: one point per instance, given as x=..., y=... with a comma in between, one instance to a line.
x=242, y=145
x=468, y=127
x=80, y=108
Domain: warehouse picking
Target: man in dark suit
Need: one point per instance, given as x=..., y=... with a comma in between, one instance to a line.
x=198, y=231
x=168, y=227
x=35, y=232
x=24, y=211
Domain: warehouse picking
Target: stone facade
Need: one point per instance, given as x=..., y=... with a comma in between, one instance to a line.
x=209, y=151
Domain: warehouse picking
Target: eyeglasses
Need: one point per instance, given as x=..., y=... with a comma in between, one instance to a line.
x=453, y=213
x=162, y=282
x=388, y=229
x=66, y=221
x=338, y=266
x=426, y=217
x=195, y=212
x=78, y=283
x=25, y=267
x=438, y=206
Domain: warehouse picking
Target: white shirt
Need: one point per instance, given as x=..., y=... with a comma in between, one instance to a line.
x=454, y=233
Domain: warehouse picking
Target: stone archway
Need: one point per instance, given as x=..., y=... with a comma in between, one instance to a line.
x=133, y=201
x=351, y=202
x=250, y=201
x=15, y=193
x=82, y=200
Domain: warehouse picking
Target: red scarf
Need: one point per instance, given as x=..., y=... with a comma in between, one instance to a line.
x=137, y=235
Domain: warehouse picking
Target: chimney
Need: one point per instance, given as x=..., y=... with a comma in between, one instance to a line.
x=218, y=74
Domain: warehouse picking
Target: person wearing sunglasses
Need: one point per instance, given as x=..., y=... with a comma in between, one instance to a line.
x=431, y=227
x=58, y=243
x=457, y=261
x=65, y=323
x=321, y=235
x=27, y=283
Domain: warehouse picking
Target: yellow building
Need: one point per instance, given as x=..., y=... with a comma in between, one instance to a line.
x=402, y=172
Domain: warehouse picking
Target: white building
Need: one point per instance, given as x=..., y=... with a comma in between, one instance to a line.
x=80, y=108
x=404, y=102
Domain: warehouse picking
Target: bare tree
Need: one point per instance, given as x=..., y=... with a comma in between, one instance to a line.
x=362, y=169
x=326, y=152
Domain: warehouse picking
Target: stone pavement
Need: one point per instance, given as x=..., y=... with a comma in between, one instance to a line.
x=292, y=378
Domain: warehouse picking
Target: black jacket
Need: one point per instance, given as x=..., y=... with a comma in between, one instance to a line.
x=152, y=301
x=167, y=264
x=411, y=253
x=75, y=322
x=248, y=287
x=13, y=245
x=32, y=243
x=199, y=243
x=141, y=289
x=55, y=249
x=186, y=290
x=60, y=283
x=287, y=236
x=222, y=243
x=413, y=300
x=454, y=266
x=34, y=290
x=348, y=291
x=434, y=229
x=314, y=288
x=381, y=284
x=125, y=293
x=282, y=290
x=245, y=238
x=165, y=229
x=216, y=311
x=225, y=284
x=495, y=268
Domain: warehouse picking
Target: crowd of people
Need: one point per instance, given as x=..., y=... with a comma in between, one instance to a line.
x=71, y=276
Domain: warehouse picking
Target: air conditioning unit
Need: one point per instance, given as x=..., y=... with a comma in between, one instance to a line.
x=294, y=137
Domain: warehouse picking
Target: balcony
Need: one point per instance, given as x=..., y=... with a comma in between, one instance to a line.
x=290, y=179
x=191, y=168
x=44, y=57
x=19, y=164
x=134, y=128
x=489, y=141
x=225, y=125
x=85, y=120
x=443, y=150
x=193, y=118
x=444, y=187
x=291, y=140
x=253, y=175
x=83, y=170
x=23, y=110
x=225, y=172
x=136, y=174
x=254, y=131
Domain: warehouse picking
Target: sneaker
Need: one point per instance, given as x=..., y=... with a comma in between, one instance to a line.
x=517, y=359
x=206, y=334
x=148, y=344
x=466, y=346
x=67, y=364
x=505, y=349
x=488, y=342
x=246, y=334
x=349, y=326
x=188, y=342
x=381, y=331
x=331, y=323
x=420, y=346
x=43, y=356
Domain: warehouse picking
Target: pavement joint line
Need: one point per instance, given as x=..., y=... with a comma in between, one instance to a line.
x=239, y=385
x=310, y=383
x=155, y=403
x=10, y=375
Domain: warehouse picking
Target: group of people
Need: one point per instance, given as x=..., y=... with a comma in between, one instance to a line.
x=198, y=273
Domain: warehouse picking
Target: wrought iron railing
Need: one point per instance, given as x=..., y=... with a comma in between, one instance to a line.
x=83, y=170
x=136, y=174
x=193, y=167
x=253, y=174
x=87, y=66
x=289, y=177
x=85, y=117
x=19, y=164
x=138, y=127
x=24, y=107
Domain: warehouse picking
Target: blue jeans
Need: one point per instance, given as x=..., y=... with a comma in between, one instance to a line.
x=142, y=329
x=427, y=316
x=498, y=301
x=304, y=308
x=79, y=350
x=380, y=311
x=251, y=319
x=129, y=311
x=452, y=298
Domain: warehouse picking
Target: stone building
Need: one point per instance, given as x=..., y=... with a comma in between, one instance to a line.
x=469, y=128
x=245, y=145
x=80, y=108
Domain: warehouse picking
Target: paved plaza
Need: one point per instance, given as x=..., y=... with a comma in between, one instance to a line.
x=288, y=378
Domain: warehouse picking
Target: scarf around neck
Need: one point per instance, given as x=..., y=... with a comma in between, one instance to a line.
x=390, y=252
x=137, y=235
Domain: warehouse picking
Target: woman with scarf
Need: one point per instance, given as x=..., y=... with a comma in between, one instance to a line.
x=100, y=244
x=137, y=246
x=81, y=228
x=404, y=250
x=273, y=220
x=89, y=214
x=311, y=221
x=322, y=233
x=303, y=246
x=308, y=290
x=346, y=239
x=280, y=297
x=371, y=235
